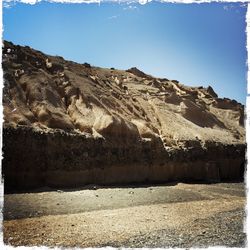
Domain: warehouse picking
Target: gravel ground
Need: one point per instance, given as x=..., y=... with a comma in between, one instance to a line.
x=222, y=229
x=181, y=215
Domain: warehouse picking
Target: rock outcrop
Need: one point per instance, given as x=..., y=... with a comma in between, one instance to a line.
x=70, y=124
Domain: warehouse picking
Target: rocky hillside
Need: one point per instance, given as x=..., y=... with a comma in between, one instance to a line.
x=98, y=109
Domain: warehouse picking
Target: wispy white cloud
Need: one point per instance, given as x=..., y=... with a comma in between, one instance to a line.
x=225, y=7
x=236, y=8
x=244, y=2
x=10, y=3
x=228, y=7
x=113, y=17
x=243, y=5
x=130, y=7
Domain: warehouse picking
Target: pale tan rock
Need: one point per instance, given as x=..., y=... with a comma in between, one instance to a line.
x=70, y=124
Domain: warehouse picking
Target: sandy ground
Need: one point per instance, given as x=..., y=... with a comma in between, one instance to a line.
x=176, y=215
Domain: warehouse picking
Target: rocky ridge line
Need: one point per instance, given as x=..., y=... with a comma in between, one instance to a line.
x=90, y=117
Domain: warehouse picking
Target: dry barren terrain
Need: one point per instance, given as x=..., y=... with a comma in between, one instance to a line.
x=69, y=125
x=174, y=215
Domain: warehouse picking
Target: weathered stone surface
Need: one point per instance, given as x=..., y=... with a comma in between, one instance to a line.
x=69, y=124
x=36, y=158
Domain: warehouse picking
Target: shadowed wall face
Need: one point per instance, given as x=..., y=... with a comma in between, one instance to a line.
x=34, y=159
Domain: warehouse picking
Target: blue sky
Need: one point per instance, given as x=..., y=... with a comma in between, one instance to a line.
x=197, y=44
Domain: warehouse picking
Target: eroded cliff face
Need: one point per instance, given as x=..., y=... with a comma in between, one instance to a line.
x=69, y=124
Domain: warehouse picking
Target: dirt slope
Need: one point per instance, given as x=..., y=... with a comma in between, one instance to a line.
x=73, y=124
x=48, y=92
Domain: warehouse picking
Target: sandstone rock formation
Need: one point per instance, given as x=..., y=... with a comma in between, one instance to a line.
x=70, y=124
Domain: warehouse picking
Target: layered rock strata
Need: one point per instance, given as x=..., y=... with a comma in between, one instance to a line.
x=69, y=124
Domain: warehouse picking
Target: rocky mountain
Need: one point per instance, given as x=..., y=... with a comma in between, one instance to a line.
x=67, y=123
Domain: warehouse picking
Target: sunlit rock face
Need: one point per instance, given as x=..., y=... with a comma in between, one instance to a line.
x=69, y=124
